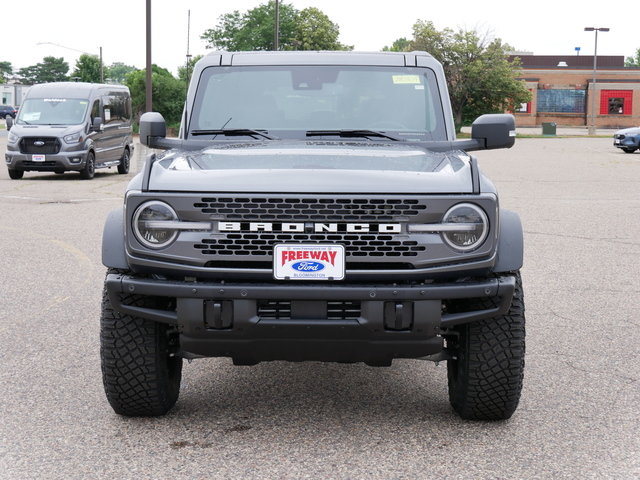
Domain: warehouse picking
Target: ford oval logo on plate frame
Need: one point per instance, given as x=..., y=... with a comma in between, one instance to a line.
x=308, y=262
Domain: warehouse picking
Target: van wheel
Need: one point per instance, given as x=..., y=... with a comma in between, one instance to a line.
x=15, y=174
x=89, y=169
x=125, y=161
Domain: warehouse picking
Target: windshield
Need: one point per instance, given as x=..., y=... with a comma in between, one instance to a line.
x=52, y=111
x=306, y=98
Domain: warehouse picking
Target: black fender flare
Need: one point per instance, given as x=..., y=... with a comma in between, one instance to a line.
x=510, y=243
x=113, y=247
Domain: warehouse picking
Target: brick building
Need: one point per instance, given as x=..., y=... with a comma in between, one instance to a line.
x=562, y=89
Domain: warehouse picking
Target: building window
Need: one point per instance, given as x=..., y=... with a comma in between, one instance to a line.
x=561, y=101
x=616, y=102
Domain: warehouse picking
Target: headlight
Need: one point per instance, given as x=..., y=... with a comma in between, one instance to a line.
x=152, y=224
x=466, y=225
x=74, y=138
x=12, y=138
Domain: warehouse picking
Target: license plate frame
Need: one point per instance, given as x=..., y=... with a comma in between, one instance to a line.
x=38, y=158
x=317, y=262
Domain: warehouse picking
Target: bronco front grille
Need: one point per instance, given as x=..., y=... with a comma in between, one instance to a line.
x=307, y=209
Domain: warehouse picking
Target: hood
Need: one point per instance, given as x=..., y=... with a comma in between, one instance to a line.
x=629, y=131
x=46, y=130
x=313, y=167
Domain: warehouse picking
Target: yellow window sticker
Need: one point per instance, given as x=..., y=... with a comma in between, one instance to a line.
x=407, y=79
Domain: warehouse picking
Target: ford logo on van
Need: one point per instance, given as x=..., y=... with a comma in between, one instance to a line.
x=39, y=143
x=307, y=266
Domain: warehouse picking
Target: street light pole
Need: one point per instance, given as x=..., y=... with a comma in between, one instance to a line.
x=592, y=127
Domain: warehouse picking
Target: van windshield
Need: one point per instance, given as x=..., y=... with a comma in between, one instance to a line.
x=52, y=111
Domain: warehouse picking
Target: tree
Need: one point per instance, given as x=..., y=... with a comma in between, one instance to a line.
x=314, y=31
x=633, y=61
x=308, y=29
x=185, y=72
x=480, y=77
x=400, y=45
x=51, y=69
x=169, y=93
x=6, y=69
x=118, y=72
x=87, y=69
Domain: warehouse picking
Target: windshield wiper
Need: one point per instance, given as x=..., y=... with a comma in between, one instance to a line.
x=235, y=132
x=354, y=134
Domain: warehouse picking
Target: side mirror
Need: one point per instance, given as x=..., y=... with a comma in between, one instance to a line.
x=97, y=125
x=9, y=121
x=152, y=125
x=494, y=131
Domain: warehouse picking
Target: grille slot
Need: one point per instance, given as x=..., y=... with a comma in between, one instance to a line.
x=309, y=209
x=261, y=244
x=336, y=310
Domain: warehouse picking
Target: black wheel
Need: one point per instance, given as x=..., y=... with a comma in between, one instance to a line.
x=89, y=169
x=485, y=379
x=15, y=174
x=140, y=376
x=125, y=161
x=629, y=150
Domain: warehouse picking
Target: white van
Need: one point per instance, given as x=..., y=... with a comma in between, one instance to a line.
x=71, y=126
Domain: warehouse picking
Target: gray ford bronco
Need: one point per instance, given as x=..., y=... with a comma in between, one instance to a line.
x=315, y=206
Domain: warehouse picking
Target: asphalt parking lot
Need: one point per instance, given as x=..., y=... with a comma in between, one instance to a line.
x=579, y=416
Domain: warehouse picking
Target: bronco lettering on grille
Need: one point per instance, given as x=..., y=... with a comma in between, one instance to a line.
x=308, y=227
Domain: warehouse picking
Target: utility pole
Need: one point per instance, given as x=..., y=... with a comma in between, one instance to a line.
x=148, y=85
x=275, y=39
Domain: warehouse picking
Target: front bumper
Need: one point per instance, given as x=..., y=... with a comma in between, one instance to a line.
x=59, y=162
x=626, y=142
x=229, y=320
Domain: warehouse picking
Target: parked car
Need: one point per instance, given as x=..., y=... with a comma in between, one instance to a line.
x=8, y=110
x=627, y=139
x=71, y=126
x=316, y=206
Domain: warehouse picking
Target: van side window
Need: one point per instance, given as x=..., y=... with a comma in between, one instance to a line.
x=95, y=110
x=117, y=108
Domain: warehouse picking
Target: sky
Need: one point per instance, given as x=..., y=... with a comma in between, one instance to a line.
x=68, y=28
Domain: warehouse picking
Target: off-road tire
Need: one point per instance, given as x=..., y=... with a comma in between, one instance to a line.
x=485, y=379
x=89, y=170
x=139, y=375
x=125, y=161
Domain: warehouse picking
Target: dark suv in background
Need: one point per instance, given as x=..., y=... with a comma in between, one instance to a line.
x=8, y=110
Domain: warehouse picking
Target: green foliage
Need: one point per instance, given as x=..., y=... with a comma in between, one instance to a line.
x=314, y=31
x=51, y=69
x=118, y=72
x=633, y=61
x=168, y=93
x=308, y=29
x=480, y=77
x=87, y=69
x=6, y=69
x=182, y=70
x=400, y=45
